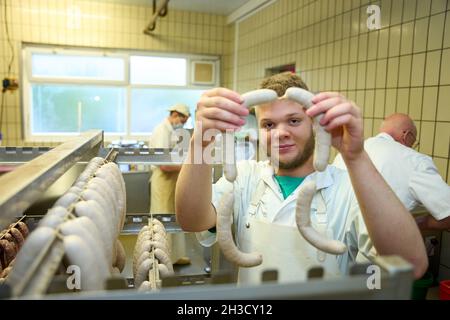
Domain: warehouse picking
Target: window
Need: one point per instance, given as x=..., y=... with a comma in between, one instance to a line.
x=155, y=102
x=67, y=109
x=77, y=67
x=68, y=91
x=158, y=71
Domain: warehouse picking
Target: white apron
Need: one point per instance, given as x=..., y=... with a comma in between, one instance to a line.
x=283, y=247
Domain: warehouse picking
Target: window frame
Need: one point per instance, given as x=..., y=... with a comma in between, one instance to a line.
x=64, y=51
x=145, y=135
x=27, y=80
x=153, y=85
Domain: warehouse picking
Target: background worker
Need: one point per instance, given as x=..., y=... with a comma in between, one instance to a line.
x=164, y=178
x=413, y=176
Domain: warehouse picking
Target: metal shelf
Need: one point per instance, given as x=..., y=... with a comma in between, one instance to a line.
x=157, y=156
x=26, y=183
x=396, y=281
x=146, y=156
x=136, y=221
x=19, y=155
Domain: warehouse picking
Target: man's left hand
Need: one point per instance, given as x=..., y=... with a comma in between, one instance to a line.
x=342, y=118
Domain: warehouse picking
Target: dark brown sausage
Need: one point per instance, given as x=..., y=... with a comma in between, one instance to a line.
x=23, y=228
x=8, y=237
x=18, y=238
x=9, y=252
x=2, y=254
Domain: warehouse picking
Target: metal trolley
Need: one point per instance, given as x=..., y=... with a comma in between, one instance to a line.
x=43, y=168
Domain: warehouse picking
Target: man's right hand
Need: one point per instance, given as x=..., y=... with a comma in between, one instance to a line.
x=220, y=109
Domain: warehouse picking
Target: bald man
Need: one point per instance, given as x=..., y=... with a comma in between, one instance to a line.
x=401, y=128
x=412, y=175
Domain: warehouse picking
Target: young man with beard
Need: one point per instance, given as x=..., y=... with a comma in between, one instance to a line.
x=371, y=220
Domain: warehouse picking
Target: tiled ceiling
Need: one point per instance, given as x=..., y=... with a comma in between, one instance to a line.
x=224, y=7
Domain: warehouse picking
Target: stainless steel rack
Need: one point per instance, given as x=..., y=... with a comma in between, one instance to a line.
x=38, y=168
x=395, y=279
x=26, y=183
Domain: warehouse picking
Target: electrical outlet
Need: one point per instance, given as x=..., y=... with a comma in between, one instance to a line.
x=430, y=245
x=10, y=84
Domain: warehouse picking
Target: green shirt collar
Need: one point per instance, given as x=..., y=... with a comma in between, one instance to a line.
x=288, y=184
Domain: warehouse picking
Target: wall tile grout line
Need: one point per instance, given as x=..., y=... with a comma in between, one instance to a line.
x=412, y=56
x=399, y=60
x=439, y=89
x=387, y=63
x=424, y=82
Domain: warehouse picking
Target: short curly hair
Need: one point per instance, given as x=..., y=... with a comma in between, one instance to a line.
x=282, y=81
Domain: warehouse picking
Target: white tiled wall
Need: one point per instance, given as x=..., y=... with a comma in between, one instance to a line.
x=403, y=67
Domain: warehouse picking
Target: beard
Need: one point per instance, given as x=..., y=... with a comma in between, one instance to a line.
x=301, y=157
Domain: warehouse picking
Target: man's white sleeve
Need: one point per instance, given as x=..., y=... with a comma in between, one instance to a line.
x=430, y=189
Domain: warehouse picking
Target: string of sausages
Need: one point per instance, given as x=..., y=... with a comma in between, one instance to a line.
x=151, y=257
x=82, y=227
x=11, y=241
x=306, y=190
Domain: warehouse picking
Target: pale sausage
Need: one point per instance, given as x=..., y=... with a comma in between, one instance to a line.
x=225, y=237
x=303, y=211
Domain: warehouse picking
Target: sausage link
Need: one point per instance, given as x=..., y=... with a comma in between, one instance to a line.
x=23, y=228
x=225, y=237
x=303, y=209
x=322, y=137
x=18, y=238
